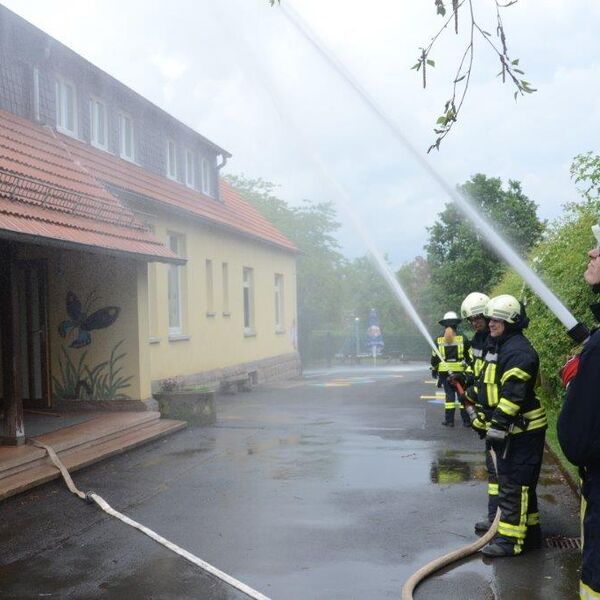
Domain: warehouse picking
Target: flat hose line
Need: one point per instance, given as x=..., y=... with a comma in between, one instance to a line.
x=439, y=563
x=93, y=497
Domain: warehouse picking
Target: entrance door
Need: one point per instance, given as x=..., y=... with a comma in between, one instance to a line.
x=33, y=318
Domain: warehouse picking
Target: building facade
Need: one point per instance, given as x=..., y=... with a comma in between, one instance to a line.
x=125, y=258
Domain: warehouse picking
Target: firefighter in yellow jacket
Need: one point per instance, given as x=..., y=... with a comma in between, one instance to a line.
x=454, y=350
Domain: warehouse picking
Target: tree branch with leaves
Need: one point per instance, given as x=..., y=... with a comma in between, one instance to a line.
x=509, y=68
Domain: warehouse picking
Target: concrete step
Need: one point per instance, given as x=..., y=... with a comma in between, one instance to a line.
x=101, y=428
x=77, y=458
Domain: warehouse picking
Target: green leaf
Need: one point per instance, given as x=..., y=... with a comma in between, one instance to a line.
x=515, y=62
x=459, y=79
x=431, y=62
x=416, y=66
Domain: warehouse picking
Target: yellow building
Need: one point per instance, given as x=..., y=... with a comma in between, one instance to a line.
x=125, y=259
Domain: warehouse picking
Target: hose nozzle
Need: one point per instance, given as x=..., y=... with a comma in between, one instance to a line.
x=579, y=333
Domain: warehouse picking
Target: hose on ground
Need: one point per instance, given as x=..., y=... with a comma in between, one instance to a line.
x=443, y=561
x=92, y=497
x=439, y=563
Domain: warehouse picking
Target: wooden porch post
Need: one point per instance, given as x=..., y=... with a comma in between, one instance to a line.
x=14, y=430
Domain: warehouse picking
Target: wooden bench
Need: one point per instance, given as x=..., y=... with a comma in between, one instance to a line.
x=235, y=383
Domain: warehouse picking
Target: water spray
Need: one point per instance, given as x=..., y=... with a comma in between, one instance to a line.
x=576, y=330
x=342, y=195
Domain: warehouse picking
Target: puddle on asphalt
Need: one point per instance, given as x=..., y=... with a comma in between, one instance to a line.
x=448, y=468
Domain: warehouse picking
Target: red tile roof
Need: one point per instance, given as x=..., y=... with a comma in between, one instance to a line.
x=45, y=193
x=61, y=194
x=230, y=211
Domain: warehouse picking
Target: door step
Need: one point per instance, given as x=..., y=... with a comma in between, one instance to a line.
x=80, y=455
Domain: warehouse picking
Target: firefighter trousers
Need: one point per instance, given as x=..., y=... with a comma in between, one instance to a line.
x=590, y=566
x=518, y=476
x=493, y=487
x=450, y=402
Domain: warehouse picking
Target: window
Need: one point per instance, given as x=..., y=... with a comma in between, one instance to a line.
x=66, y=107
x=248, y=282
x=225, y=275
x=98, y=124
x=152, y=296
x=189, y=169
x=210, y=309
x=175, y=291
x=171, y=160
x=36, y=94
x=279, y=302
x=205, y=169
x=126, y=138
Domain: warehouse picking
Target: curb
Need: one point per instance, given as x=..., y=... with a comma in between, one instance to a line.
x=574, y=485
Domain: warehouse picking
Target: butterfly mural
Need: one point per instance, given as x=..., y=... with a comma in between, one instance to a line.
x=84, y=324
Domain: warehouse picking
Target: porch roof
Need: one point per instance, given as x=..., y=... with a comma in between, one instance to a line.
x=47, y=196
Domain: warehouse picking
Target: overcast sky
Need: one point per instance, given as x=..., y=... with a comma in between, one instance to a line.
x=237, y=72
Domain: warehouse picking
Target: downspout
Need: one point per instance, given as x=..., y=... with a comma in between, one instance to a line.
x=224, y=158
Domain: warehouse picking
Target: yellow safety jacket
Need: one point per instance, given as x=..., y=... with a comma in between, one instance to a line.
x=453, y=353
x=505, y=390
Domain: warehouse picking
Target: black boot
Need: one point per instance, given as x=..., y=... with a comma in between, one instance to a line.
x=533, y=539
x=482, y=526
x=499, y=547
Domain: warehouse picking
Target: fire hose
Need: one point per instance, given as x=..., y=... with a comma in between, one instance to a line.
x=92, y=497
x=443, y=561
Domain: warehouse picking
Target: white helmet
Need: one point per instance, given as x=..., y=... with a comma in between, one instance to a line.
x=473, y=305
x=451, y=319
x=504, y=308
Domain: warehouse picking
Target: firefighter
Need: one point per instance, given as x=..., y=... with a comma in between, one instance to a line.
x=514, y=423
x=579, y=436
x=453, y=349
x=472, y=310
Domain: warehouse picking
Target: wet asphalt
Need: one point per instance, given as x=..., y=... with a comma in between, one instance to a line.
x=335, y=486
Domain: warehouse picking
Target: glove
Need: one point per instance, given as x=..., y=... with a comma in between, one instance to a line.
x=434, y=372
x=569, y=370
x=456, y=379
x=497, y=438
x=440, y=383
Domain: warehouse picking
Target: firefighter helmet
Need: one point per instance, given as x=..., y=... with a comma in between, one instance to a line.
x=504, y=308
x=473, y=305
x=450, y=319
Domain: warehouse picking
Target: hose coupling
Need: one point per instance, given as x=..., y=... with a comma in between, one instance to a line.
x=579, y=333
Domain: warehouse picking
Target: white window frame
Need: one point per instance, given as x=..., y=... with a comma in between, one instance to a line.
x=171, y=160
x=61, y=116
x=248, y=300
x=176, y=243
x=123, y=118
x=190, y=176
x=205, y=177
x=279, y=305
x=94, y=121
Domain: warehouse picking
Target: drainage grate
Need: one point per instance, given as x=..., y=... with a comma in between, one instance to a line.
x=561, y=542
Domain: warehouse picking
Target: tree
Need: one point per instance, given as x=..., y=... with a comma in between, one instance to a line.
x=320, y=266
x=458, y=257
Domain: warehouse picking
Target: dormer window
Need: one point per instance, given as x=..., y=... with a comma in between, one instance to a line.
x=66, y=107
x=205, y=170
x=98, y=124
x=171, y=160
x=126, y=137
x=189, y=169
